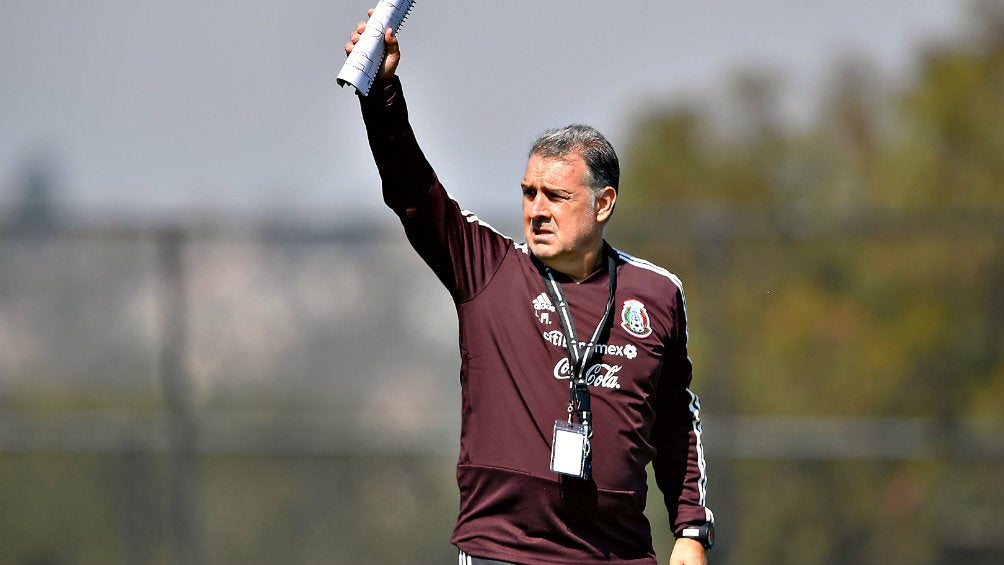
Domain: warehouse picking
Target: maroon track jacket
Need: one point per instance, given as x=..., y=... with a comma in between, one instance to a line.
x=514, y=379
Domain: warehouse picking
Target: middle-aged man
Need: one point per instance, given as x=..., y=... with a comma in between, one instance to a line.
x=574, y=366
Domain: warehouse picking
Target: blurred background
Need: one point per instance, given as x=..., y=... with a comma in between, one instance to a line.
x=216, y=346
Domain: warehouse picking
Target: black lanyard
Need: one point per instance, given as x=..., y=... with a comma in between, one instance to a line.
x=578, y=388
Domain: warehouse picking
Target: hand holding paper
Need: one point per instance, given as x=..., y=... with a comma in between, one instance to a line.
x=366, y=54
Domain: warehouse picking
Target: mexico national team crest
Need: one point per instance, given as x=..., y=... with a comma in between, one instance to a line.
x=634, y=319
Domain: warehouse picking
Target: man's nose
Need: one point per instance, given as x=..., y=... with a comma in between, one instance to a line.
x=538, y=208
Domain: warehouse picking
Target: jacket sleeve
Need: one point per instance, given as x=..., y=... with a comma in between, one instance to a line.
x=679, y=464
x=462, y=251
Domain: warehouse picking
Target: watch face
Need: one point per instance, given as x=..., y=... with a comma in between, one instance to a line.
x=710, y=537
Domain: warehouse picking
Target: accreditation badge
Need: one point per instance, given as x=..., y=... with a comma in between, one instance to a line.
x=569, y=449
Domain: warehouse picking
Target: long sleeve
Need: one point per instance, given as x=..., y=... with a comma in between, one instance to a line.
x=406, y=174
x=679, y=463
x=462, y=251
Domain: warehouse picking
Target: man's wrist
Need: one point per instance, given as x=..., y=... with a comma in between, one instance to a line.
x=703, y=534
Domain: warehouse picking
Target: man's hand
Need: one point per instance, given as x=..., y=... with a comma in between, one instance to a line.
x=688, y=552
x=389, y=65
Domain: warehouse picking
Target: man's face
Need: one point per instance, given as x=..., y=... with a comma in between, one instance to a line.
x=561, y=219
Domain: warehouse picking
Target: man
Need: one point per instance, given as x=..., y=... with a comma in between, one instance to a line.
x=558, y=425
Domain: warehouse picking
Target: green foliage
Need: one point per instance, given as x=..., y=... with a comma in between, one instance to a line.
x=57, y=508
x=863, y=248
x=345, y=509
x=253, y=509
x=852, y=266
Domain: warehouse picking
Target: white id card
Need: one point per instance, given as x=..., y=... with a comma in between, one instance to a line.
x=568, y=450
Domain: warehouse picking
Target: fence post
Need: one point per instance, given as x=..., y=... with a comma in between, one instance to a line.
x=184, y=515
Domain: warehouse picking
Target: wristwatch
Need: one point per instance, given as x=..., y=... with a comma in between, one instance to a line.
x=705, y=534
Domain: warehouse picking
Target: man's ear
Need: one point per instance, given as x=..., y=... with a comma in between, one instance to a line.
x=605, y=202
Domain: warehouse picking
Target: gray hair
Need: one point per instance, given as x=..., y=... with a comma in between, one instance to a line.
x=602, y=167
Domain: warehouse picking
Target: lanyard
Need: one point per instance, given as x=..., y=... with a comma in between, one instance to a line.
x=578, y=389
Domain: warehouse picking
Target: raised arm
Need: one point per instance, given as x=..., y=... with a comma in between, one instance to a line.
x=462, y=252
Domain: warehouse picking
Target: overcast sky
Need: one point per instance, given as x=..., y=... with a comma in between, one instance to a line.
x=231, y=107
